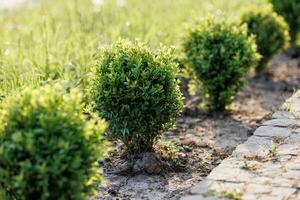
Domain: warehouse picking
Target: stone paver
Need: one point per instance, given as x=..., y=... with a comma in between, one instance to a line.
x=265, y=167
x=281, y=122
x=272, y=131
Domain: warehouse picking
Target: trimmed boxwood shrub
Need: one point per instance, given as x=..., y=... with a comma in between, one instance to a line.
x=221, y=54
x=136, y=91
x=271, y=33
x=290, y=10
x=48, y=149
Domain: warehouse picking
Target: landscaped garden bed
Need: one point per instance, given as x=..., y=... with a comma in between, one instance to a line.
x=202, y=139
x=129, y=99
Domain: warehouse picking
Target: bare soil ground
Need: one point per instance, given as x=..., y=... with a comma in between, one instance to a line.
x=203, y=139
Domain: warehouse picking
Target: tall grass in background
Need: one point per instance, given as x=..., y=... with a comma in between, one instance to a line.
x=57, y=39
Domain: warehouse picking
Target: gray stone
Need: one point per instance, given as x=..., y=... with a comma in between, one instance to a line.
x=269, y=170
x=201, y=187
x=254, y=147
x=292, y=174
x=260, y=180
x=283, y=192
x=199, y=197
x=293, y=166
x=228, y=186
x=288, y=149
x=268, y=197
x=281, y=122
x=279, y=181
x=293, y=105
x=282, y=115
x=259, y=189
x=230, y=174
x=249, y=196
x=275, y=182
x=270, y=131
x=297, y=130
x=232, y=162
x=297, y=159
x=293, y=139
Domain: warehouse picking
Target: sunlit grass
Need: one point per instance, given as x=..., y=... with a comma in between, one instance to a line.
x=2, y=195
x=58, y=39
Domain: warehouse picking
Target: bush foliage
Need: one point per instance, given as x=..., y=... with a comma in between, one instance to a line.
x=271, y=33
x=47, y=148
x=137, y=92
x=221, y=54
x=290, y=10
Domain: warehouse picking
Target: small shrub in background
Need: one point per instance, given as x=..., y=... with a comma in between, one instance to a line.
x=221, y=54
x=137, y=92
x=290, y=10
x=48, y=150
x=271, y=33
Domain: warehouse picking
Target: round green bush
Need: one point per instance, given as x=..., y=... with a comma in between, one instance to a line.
x=290, y=10
x=271, y=33
x=48, y=149
x=221, y=54
x=136, y=91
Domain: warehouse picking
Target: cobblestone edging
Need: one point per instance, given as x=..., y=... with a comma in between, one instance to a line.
x=265, y=167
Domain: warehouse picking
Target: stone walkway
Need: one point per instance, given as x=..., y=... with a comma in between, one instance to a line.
x=265, y=167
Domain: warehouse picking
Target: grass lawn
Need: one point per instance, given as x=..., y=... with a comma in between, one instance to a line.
x=55, y=39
